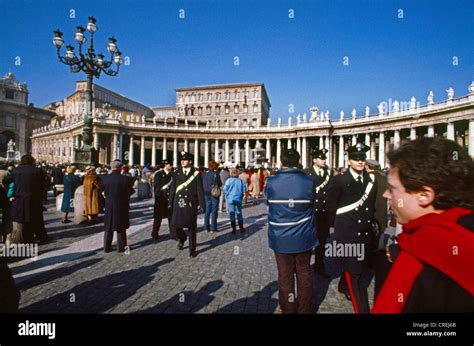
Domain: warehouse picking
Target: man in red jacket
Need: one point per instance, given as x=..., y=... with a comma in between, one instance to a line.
x=431, y=188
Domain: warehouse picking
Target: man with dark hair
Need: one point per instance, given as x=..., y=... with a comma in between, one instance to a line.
x=431, y=189
x=351, y=207
x=117, y=189
x=186, y=196
x=290, y=195
x=27, y=206
x=321, y=176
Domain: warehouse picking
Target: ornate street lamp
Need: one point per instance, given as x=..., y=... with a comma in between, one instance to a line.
x=92, y=65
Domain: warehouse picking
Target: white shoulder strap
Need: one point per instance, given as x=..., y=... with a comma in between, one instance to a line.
x=361, y=201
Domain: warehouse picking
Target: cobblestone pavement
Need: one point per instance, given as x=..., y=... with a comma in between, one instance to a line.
x=231, y=274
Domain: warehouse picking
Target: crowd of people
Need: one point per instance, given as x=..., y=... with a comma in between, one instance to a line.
x=427, y=195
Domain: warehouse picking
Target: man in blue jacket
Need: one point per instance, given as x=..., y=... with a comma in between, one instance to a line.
x=290, y=195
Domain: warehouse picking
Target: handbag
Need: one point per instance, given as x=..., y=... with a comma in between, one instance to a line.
x=215, y=190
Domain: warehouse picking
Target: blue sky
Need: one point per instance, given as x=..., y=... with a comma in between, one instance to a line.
x=300, y=60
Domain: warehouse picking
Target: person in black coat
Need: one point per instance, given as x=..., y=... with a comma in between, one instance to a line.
x=9, y=293
x=351, y=207
x=117, y=189
x=186, y=196
x=162, y=184
x=57, y=175
x=321, y=178
x=27, y=206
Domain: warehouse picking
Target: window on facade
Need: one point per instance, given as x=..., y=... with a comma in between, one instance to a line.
x=227, y=109
x=193, y=98
x=209, y=96
x=208, y=110
x=9, y=121
x=192, y=110
x=236, y=95
x=218, y=96
x=200, y=110
x=226, y=95
x=255, y=108
x=218, y=109
x=9, y=94
x=186, y=111
x=255, y=94
x=246, y=108
x=200, y=97
x=236, y=109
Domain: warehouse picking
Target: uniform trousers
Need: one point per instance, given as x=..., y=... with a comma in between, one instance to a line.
x=192, y=233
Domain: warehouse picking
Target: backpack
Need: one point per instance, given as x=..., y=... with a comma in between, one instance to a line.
x=215, y=190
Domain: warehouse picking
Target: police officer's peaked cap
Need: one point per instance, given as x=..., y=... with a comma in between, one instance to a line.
x=319, y=153
x=186, y=156
x=166, y=162
x=358, y=151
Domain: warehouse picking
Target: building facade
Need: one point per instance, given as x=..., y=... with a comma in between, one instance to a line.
x=136, y=139
x=226, y=105
x=17, y=117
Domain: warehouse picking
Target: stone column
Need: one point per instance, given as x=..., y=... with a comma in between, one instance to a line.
x=227, y=149
x=341, y=162
x=471, y=138
x=130, y=152
x=96, y=140
x=206, y=152
x=164, y=155
x=298, y=145
x=321, y=144
x=268, y=152
x=142, y=152
x=114, y=146
x=236, y=152
x=354, y=140
x=278, y=161
x=153, y=151
x=289, y=143
x=431, y=131
x=175, y=153
x=328, y=147
x=396, y=139
x=382, y=149
x=196, y=153
x=216, y=152
x=304, y=154
x=450, y=131
x=121, y=147
x=247, y=153
x=412, y=133
x=186, y=145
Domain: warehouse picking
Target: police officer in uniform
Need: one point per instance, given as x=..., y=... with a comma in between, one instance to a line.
x=162, y=184
x=321, y=178
x=351, y=207
x=186, y=195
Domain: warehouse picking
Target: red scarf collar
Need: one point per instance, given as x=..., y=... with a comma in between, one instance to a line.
x=436, y=240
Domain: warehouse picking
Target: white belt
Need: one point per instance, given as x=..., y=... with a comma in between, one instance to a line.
x=360, y=202
x=290, y=223
x=187, y=182
x=164, y=187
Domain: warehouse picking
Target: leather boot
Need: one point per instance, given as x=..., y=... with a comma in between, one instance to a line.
x=241, y=226
x=234, y=227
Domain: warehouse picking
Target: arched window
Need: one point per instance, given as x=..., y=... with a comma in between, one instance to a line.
x=218, y=109
x=192, y=110
x=227, y=109
x=186, y=110
x=200, y=110
x=255, y=108
x=246, y=108
x=208, y=110
x=236, y=109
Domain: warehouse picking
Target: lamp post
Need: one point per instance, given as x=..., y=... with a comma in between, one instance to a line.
x=92, y=65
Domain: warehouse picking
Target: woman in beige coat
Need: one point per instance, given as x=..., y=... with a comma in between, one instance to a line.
x=255, y=182
x=91, y=195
